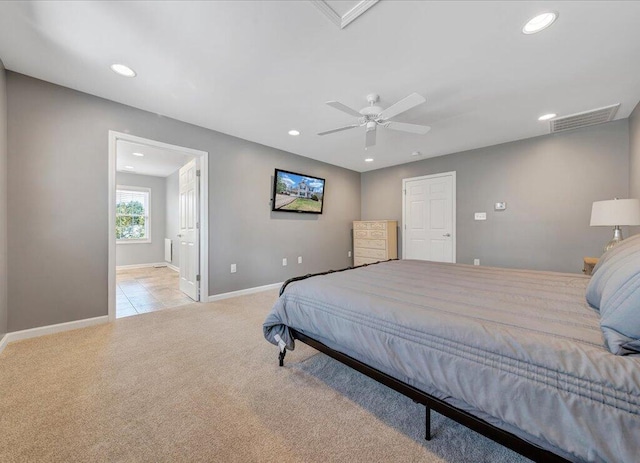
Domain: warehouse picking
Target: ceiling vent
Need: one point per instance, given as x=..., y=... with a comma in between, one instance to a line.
x=583, y=119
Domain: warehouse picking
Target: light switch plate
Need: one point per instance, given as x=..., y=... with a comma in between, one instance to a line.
x=480, y=216
x=500, y=206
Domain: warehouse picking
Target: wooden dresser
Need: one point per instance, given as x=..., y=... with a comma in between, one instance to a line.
x=374, y=240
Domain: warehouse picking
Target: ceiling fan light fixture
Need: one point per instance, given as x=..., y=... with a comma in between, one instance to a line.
x=370, y=117
x=540, y=22
x=123, y=70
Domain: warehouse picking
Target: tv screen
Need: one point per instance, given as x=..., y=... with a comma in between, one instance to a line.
x=297, y=193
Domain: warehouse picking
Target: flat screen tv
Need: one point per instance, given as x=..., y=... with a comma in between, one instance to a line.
x=297, y=193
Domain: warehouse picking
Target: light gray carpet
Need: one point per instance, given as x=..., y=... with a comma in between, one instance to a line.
x=201, y=384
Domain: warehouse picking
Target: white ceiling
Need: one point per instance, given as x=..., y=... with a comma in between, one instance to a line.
x=156, y=162
x=256, y=69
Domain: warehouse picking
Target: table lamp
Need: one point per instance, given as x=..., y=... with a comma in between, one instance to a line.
x=614, y=213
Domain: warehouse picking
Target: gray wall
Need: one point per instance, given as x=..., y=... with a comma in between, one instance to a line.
x=634, y=154
x=146, y=253
x=58, y=257
x=172, y=219
x=548, y=182
x=634, y=158
x=3, y=202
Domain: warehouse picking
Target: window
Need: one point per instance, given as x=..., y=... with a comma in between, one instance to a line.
x=132, y=215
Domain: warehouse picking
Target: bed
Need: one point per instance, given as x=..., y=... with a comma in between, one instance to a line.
x=516, y=355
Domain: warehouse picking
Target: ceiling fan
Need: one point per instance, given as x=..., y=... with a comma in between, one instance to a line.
x=372, y=116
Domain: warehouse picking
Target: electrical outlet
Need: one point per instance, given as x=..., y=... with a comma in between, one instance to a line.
x=476, y=261
x=233, y=268
x=284, y=262
x=299, y=259
x=480, y=216
x=349, y=254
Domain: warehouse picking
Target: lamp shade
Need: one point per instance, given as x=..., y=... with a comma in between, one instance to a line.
x=615, y=212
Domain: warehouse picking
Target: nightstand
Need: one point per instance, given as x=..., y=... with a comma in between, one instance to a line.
x=588, y=264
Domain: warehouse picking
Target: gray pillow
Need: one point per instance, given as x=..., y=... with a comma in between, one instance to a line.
x=608, y=263
x=620, y=308
x=615, y=251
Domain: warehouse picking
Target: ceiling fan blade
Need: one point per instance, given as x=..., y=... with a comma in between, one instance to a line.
x=401, y=106
x=344, y=108
x=339, y=129
x=370, y=139
x=404, y=127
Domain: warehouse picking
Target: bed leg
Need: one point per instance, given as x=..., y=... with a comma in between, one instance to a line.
x=427, y=421
x=281, y=355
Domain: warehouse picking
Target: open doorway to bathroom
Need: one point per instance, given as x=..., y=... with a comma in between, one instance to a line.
x=158, y=220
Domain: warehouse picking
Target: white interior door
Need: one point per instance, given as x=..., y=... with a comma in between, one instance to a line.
x=429, y=218
x=189, y=230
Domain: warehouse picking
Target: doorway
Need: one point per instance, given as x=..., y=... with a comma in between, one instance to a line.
x=429, y=217
x=158, y=225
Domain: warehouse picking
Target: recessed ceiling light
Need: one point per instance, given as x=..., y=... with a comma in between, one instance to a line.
x=546, y=117
x=416, y=153
x=294, y=133
x=123, y=70
x=128, y=167
x=138, y=154
x=540, y=22
x=368, y=160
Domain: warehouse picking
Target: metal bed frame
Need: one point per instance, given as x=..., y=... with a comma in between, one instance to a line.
x=505, y=438
x=430, y=402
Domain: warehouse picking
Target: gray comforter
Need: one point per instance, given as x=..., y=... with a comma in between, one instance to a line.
x=521, y=349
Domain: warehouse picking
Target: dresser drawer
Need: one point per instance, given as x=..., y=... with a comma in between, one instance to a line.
x=378, y=234
x=370, y=225
x=371, y=253
x=361, y=225
x=364, y=260
x=374, y=244
x=361, y=233
x=370, y=234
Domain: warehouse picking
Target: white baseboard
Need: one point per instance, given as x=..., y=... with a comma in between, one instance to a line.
x=242, y=292
x=51, y=329
x=3, y=343
x=173, y=267
x=77, y=324
x=127, y=267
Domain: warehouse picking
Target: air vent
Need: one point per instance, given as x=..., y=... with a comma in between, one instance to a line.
x=583, y=119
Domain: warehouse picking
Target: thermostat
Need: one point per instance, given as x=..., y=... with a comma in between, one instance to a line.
x=500, y=206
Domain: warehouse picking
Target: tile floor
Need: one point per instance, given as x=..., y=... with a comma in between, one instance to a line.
x=144, y=290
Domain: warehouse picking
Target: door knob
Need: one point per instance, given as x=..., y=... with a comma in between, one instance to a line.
x=447, y=234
